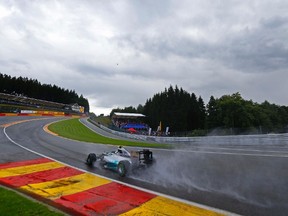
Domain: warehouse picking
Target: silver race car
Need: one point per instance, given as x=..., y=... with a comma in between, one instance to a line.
x=121, y=160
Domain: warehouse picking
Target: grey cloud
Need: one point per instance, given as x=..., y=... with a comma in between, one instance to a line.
x=206, y=47
x=87, y=69
x=275, y=22
x=260, y=50
x=164, y=46
x=148, y=11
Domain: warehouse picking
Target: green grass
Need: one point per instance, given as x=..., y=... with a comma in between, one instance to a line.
x=12, y=203
x=104, y=120
x=73, y=129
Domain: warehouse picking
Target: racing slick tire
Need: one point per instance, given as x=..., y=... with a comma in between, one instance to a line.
x=122, y=168
x=91, y=159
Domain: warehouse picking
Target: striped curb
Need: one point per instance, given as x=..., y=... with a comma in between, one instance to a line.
x=87, y=194
x=45, y=128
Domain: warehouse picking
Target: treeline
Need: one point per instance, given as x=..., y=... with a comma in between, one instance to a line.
x=231, y=114
x=34, y=89
x=232, y=111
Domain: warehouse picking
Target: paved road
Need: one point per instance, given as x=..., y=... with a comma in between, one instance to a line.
x=245, y=181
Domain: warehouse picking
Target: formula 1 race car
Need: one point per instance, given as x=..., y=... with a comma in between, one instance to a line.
x=121, y=160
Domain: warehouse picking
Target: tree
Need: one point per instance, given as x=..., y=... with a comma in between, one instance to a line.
x=182, y=111
x=177, y=109
x=213, y=113
x=34, y=89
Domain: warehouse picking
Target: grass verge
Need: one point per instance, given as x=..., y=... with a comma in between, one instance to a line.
x=104, y=120
x=73, y=129
x=11, y=203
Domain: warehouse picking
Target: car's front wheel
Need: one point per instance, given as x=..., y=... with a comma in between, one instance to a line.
x=122, y=168
x=91, y=159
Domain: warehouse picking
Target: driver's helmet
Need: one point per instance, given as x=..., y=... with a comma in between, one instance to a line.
x=119, y=150
x=122, y=151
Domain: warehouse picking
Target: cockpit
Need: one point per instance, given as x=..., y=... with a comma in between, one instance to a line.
x=123, y=152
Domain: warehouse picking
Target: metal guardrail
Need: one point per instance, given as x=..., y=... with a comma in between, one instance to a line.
x=160, y=139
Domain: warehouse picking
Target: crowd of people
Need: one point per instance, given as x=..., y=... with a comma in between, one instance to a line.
x=128, y=125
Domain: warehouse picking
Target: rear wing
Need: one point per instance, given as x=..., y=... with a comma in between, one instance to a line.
x=145, y=156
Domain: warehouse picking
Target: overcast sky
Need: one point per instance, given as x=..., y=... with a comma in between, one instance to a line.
x=119, y=53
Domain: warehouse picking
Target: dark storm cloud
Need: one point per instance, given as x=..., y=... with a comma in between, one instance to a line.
x=259, y=50
x=106, y=49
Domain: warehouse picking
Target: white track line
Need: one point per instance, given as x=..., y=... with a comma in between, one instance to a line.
x=225, y=153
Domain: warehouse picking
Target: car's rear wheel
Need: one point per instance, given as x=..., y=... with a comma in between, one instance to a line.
x=91, y=159
x=122, y=169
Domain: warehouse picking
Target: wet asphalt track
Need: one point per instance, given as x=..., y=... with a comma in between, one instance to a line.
x=247, y=180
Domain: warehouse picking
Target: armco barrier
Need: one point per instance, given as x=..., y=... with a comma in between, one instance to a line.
x=159, y=139
x=187, y=140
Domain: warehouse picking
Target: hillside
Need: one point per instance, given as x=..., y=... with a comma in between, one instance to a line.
x=32, y=88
